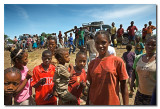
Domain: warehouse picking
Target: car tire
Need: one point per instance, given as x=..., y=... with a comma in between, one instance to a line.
x=125, y=40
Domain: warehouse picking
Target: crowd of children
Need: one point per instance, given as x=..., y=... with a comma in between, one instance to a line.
x=103, y=74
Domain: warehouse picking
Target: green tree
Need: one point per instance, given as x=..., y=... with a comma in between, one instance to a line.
x=139, y=33
x=43, y=34
x=10, y=40
x=6, y=37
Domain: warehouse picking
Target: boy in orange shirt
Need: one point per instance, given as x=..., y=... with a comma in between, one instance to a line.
x=78, y=79
x=42, y=81
x=104, y=74
x=150, y=28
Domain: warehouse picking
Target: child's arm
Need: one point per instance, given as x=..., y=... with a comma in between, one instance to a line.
x=124, y=91
x=71, y=69
x=40, y=82
x=87, y=102
x=53, y=93
x=29, y=75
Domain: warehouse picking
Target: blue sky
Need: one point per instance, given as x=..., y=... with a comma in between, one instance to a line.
x=50, y=18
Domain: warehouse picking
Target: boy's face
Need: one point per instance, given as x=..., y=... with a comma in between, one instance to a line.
x=80, y=61
x=101, y=44
x=11, y=82
x=46, y=58
x=52, y=45
x=66, y=57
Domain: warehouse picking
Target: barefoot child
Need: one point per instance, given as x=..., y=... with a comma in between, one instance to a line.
x=78, y=79
x=62, y=77
x=129, y=57
x=106, y=74
x=42, y=81
x=24, y=91
x=12, y=79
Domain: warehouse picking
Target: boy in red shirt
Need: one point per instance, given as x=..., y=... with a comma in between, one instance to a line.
x=120, y=33
x=107, y=75
x=131, y=32
x=78, y=79
x=144, y=32
x=42, y=81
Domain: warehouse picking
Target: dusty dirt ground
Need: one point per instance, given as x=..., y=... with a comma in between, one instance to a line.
x=35, y=59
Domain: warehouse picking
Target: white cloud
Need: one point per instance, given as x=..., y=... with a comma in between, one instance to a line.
x=22, y=12
x=118, y=12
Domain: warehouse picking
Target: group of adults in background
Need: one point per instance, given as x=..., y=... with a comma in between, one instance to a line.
x=117, y=35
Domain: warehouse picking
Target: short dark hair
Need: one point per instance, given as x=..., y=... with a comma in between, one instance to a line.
x=12, y=70
x=45, y=52
x=81, y=53
x=150, y=21
x=52, y=38
x=129, y=47
x=91, y=36
x=59, y=53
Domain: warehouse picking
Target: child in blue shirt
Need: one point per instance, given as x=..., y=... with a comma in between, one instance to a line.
x=71, y=44
x=138, y=46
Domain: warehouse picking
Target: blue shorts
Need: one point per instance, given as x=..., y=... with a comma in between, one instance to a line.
x=41, y=42
x=131, y=38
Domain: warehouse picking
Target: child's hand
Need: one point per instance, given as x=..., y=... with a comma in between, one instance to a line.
x=55, y=94
x=82, y=84
x=29, y=74
x=43, y=81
